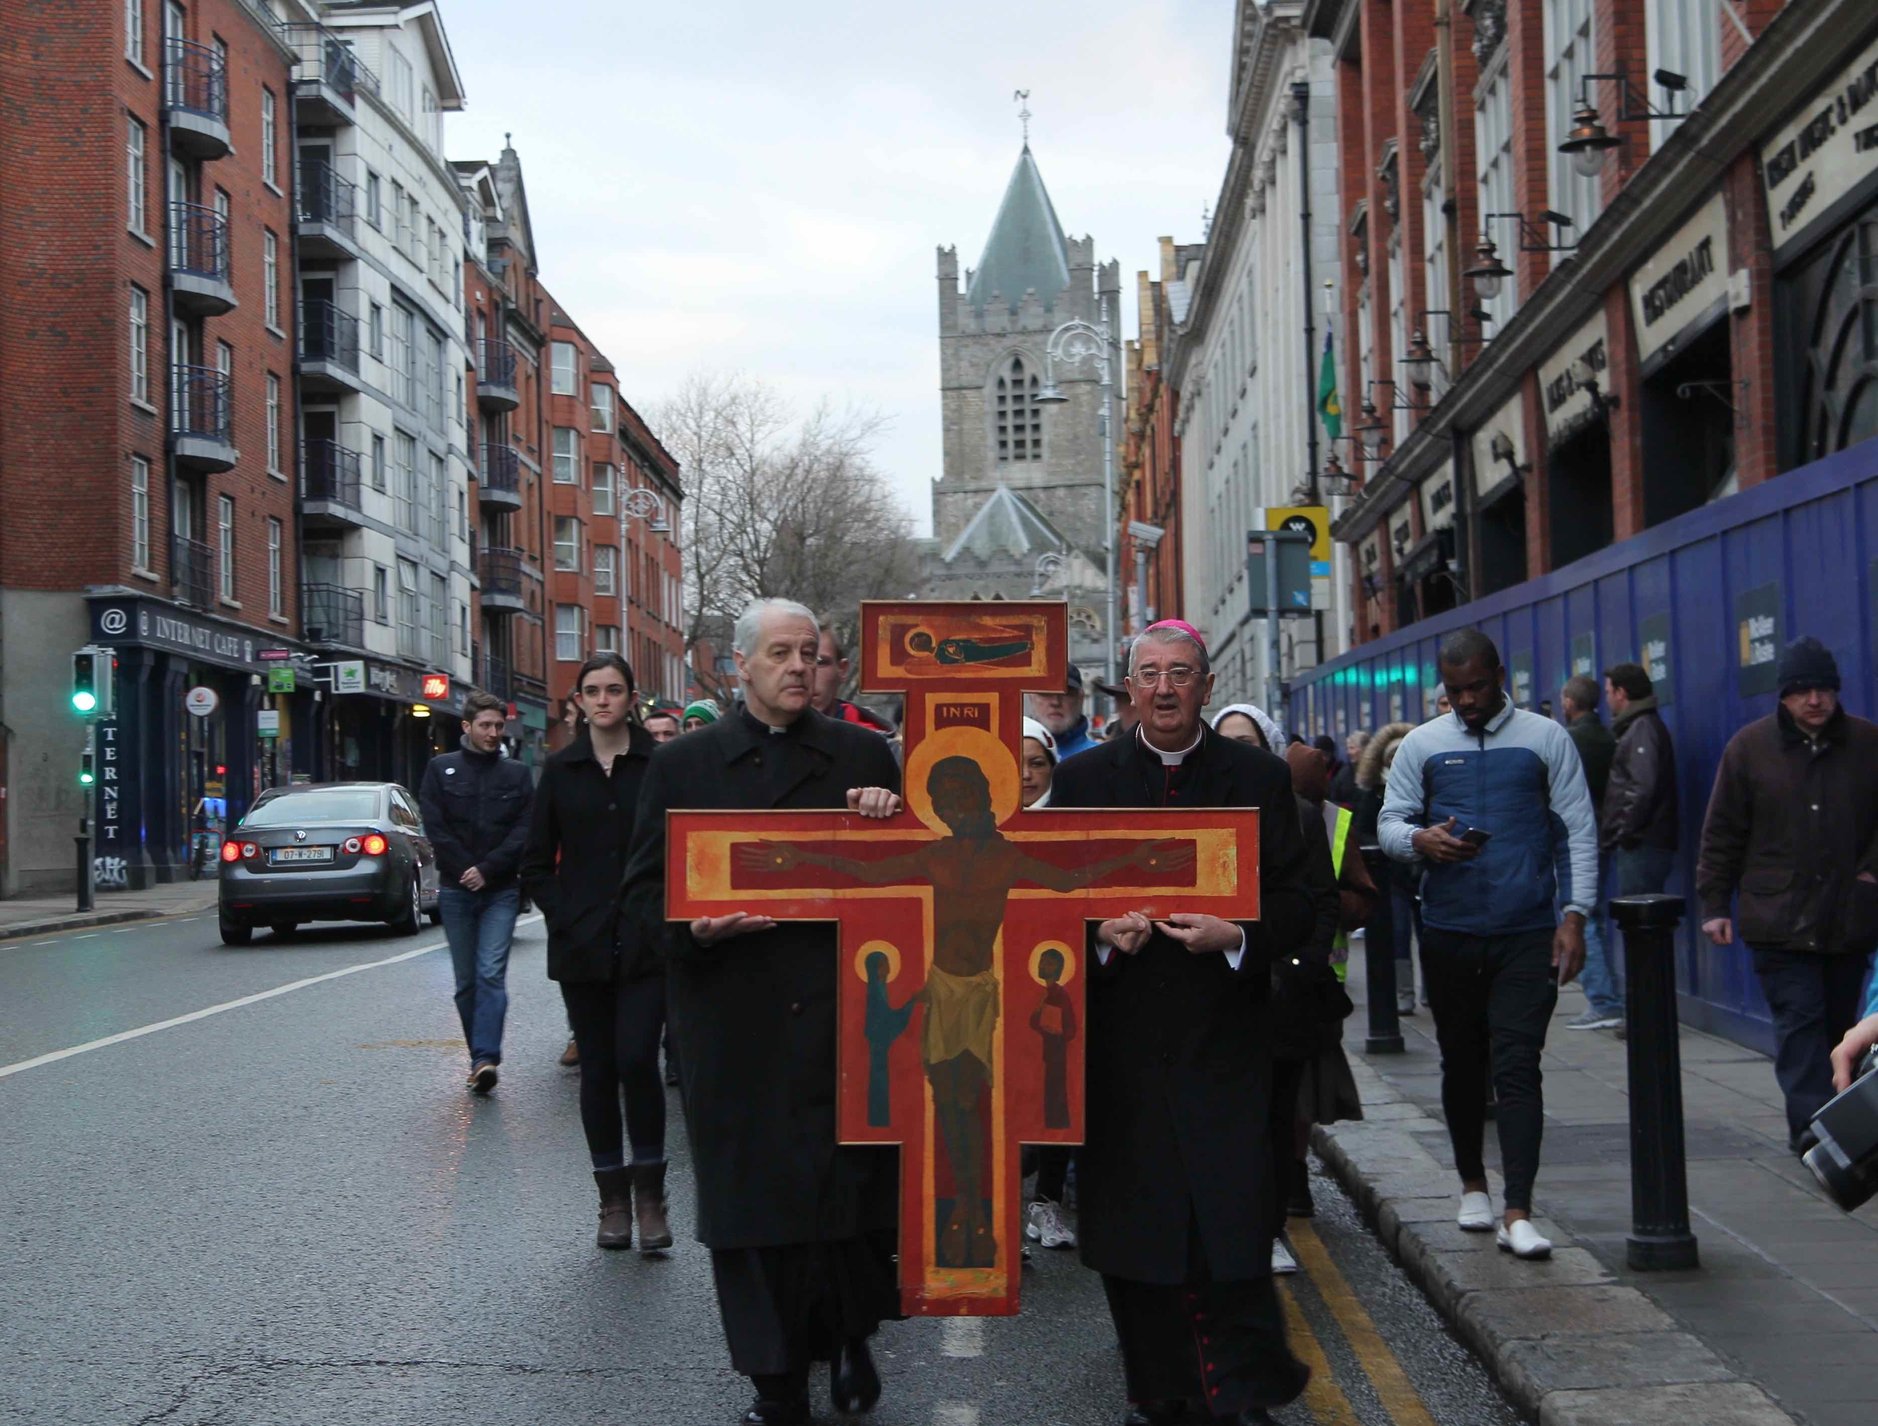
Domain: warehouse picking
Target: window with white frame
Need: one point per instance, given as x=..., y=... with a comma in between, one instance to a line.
x=606, y=638
x=566, y=456
x=270, y=138
x=1569, y=56
x=139, y=344
x=375, y=332
x=603, y=477
x=225, y=543
x=381, y=594
x=275, y=606
x=462, y=627
x=378, y=462
x=439, y=612
x=1683, y=37
x=139, y=513
x=1398, y=337
x=605, y=569
x=439, y=500
x=401, y=84
x=1435, y=276
x=600, y=397
x=273, y=423
x=566, y=542
x=564, y=380
x=374, y=200
x=270, y=276
x=133, y=31
x=404, y=480
x=1493, y=151
x=567, y=632
x=410, y=641
x=137, y=173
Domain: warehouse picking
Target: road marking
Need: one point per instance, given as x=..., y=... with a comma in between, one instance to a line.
x=1393, y=1388
x=53, y=1057
x=954, y=1413
x=962, y=1336
x=1329, y=1406
x=86, y=936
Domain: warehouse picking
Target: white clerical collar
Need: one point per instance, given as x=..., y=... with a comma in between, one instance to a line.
x=1171, y=759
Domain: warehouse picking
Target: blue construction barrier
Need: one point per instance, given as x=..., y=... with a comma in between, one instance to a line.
x=1705, y=601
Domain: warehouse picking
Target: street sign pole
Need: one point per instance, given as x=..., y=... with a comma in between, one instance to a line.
x=1272, y=636
x=87, y=876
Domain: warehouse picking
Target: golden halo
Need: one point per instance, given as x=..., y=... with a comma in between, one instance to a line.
x=976, y=745
x=1036, y=960
x=886, y=948
x=921, y=630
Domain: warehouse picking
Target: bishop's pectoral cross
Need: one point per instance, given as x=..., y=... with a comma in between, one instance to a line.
x=962, y=930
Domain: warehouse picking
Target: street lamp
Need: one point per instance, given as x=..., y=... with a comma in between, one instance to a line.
x=1488, y=272
x=1077, y=341
x=1370, y=431
x=1589, y=143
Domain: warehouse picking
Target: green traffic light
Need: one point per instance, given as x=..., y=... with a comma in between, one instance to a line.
x=85, y=779
x=84, y=700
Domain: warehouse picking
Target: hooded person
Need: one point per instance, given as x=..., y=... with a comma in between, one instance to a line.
x=700, y=713
x=1036, y=765
x=1239, y=720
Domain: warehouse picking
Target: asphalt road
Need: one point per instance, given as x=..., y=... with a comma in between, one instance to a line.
x=287, y=1212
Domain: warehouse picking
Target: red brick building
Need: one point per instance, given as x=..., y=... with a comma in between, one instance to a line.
x=150, y=460
x=1150, y=453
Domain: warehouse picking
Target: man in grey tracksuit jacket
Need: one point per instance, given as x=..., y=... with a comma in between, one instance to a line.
x=1495, y=946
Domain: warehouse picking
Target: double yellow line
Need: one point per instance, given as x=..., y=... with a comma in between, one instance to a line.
x=1329, y=1406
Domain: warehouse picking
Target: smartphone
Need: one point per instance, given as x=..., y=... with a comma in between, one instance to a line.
x=1476, y=837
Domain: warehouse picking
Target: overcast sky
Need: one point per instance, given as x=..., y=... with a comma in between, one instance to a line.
x=758, y=186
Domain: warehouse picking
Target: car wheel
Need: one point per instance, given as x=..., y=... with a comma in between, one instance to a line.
x=411, y=917
x=234, y=934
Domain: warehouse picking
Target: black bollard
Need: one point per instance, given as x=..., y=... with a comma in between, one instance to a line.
x=1660, y=1239
x=85, y=881
x=1385, y=1029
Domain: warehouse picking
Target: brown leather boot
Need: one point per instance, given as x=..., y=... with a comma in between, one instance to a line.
x=655, y=1234
x=616, y=1206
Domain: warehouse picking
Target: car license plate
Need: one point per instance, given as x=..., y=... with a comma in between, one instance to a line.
x=300, y=854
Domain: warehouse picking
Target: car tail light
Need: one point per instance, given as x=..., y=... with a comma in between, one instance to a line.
x=352, y=846
x=231, y=851
x=375, y=845
x=249, y=851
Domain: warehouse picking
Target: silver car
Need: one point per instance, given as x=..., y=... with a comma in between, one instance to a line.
x=335, y=851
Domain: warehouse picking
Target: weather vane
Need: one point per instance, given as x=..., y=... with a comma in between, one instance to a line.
x=1022, y=97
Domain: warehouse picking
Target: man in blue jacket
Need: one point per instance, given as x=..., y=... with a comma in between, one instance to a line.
x=1492, y=801
x=475, y=805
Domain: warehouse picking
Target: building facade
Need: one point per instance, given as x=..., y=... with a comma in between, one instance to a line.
x=1150, y=480
x=1244, y=357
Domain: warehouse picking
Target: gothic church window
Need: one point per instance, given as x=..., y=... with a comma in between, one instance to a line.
x=1019, y=419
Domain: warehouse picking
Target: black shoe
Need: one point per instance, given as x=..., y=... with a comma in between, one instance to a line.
x=853, y=1384
x=766, y=1411
x=483, y=1077
x=1799, y=1143
x=1156, y=1413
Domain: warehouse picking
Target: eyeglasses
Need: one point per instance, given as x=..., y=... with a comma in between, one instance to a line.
x=1177, y=677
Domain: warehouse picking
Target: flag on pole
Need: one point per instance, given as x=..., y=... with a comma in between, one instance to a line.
x=1327, y=402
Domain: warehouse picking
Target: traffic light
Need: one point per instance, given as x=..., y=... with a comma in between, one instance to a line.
x=91, y=682
x=87, y=768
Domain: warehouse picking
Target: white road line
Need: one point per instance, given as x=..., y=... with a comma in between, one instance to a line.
x=86, y=936
x=56, y=1055
x=954, y=1413
x=962, y=1336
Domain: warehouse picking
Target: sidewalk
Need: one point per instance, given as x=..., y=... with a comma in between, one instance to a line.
x=41, y=915
x=1779, y=1323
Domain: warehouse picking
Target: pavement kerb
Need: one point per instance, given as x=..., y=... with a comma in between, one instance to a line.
x=80, y=920
x=1566, y=1342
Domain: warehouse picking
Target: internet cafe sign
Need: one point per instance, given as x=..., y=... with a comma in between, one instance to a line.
x=1823, y=152
x=1684, y=284
x=1566, y=381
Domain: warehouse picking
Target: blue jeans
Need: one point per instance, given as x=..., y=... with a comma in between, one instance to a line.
x=1635, y=871
x=479, y=926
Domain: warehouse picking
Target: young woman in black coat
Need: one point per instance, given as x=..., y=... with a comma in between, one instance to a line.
x=613, y=987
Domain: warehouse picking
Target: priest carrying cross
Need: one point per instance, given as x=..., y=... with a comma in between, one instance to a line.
x=1177, y=1187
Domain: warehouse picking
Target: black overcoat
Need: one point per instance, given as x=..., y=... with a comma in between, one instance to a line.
x=575, y=858
x=754, y=1016
x=1179, y=1047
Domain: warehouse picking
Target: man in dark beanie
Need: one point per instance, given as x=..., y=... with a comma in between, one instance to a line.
x=1793, y=825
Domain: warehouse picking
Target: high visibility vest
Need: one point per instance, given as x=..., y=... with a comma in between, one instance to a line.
x=1337, y=824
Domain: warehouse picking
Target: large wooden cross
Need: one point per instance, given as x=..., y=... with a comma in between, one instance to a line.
x=963, y=929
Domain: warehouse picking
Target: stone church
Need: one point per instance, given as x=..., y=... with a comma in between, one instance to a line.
x=1018, y=511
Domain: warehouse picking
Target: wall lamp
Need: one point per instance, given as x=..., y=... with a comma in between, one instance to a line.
x=1589, y=141
x=1586, y=379
x=1396, y=403
x=1488, y=274
x=1533, y=236
x=1371, y=432
x=1501, y=449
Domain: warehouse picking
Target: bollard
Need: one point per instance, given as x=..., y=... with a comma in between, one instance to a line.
x=1385, y=1030
x=85, y=882
x=1660, y=1239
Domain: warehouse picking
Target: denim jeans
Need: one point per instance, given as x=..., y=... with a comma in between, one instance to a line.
x=479, y=926
x=1640, y=871
x=1814, y=999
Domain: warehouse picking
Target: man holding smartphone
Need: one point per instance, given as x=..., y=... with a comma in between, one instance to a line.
x=1491, y=801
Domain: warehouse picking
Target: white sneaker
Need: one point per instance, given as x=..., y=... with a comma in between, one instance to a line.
x=1282, y=1261
x=1522, y=1240
x=1476, y=1215
x=1044, y=1224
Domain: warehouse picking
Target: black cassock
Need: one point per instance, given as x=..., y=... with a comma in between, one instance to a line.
x=802, y=1231
x=1177, y=1191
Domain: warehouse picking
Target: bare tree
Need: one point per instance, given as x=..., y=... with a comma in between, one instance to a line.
x=780, y=506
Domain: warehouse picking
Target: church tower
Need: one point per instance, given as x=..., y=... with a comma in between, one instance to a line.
x=1023, y=475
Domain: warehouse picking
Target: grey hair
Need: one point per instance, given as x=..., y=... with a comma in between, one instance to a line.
x=1168, y=636
x=1582, y=691
x=750, y=622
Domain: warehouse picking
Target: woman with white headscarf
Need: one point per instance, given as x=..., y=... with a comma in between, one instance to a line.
x=1246, y=723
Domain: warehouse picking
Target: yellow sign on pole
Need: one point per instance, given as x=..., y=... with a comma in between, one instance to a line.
x=1314, y=518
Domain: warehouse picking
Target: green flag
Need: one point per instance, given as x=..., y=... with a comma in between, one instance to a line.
x=1327, y=401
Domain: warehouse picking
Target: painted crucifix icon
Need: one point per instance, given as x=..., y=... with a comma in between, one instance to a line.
x=966, y=919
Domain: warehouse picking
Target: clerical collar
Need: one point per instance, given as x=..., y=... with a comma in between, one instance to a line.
x=762, y=729
x=1171, y=759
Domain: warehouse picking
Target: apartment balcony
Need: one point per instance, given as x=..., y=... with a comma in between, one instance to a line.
x=202, y=418
x=327, y=77
x=199, y=280
x=327, y=213
x=500, y=572
x=495, y=376
x=329, y=349
x=330, y=486
x=499, y=487
x=332, y=614
x=192, y=572
x=195, y=99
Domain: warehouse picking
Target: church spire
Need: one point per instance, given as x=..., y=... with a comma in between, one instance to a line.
x=1026, y=250
x=1022, y=98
